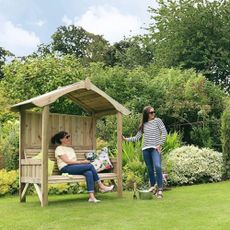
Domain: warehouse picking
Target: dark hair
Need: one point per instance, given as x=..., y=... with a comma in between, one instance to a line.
x=145, y=117
x=57, y=137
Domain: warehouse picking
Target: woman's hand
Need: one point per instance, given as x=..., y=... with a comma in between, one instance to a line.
x=84, y=162
x=124, y=138
x=158, y=148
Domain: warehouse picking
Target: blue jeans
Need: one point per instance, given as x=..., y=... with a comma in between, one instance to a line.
x=87, y=170
x=152, y=160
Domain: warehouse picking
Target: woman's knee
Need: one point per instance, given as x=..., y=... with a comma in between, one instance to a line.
x=158, y=167
x=88, y=173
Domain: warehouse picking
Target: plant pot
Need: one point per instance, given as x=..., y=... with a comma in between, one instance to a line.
x=145, y=195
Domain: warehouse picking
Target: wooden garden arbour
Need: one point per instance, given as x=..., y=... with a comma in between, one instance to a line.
x=36, y=130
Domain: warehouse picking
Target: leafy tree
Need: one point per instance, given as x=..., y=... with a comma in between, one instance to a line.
x=73, y=40
x=35, y=76
x=185, y=99
x=193, y=34
x=131, y=52
x=4, y=54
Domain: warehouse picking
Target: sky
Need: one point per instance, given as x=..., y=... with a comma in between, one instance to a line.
x=24, y=24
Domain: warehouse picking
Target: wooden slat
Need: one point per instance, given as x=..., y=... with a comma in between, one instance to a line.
x=78, y=178
x=30, y=180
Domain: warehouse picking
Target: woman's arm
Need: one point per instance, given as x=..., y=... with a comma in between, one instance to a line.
x=133, y=139
x=162, y=130
x=65, y=158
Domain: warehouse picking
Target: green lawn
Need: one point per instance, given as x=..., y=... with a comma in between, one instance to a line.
x=190, y=207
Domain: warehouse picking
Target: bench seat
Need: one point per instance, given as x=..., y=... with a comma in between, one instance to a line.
x=31, y=169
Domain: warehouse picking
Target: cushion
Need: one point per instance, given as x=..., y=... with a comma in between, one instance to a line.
x=50, y=163
x=102, y=162
x=91, y=156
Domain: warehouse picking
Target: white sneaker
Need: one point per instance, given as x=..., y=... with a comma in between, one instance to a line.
x=107, y=189
x=93, y=200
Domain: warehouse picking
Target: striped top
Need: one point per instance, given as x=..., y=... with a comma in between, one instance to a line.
x=154, y=134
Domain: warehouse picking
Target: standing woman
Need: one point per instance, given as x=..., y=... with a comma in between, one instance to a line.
x=155, y=133
x=68, y=163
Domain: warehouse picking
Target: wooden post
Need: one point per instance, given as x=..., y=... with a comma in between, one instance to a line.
x=94, y=122
x=45, y=145
x=21, y=153
x=119, y=156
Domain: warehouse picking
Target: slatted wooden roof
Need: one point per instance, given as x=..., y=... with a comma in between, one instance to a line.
x=84, y=93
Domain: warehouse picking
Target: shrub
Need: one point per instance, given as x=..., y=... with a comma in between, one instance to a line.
x=201, y=136
x=189, y=165
x=225, y=139
x=173, y=140
x=66, y=188
x=134, y=171
x=9, y=143
x=8, y=182
x=131, y=151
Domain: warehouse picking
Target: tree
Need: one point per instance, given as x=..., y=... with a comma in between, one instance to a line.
x=131, y=52
x=35, y=76
x=72, y=40
x=4, y=54
x=193, y=34
x=185, y=99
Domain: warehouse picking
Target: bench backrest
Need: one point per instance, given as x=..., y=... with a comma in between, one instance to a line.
x=30, y=153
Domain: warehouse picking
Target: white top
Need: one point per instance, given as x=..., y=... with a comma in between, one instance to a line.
x=154, y=134
x=64, y=150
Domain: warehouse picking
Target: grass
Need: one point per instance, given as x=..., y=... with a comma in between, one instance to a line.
x=194, y=207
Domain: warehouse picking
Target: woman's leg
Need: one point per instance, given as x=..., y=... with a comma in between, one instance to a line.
x=156, y=157
x=89, y=172
x=147, y=154
x=82, y=169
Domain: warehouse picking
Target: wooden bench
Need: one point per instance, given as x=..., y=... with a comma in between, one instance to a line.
x=31, y=170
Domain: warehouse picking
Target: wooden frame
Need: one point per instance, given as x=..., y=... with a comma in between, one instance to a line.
x=36, y=130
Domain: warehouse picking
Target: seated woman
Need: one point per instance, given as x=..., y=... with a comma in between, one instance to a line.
x=68, y=163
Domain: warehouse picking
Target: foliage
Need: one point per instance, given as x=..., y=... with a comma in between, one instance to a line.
x=181, y=98
x=9, y=144
x=131, y=151
x=133, y=165
x=65, y=188
x=8, y=182
x=225, y=139
x=193, y=34
x=73, y=40
x=173, y=141
x=134, y=172
x=184, y=99
x=190, y=165
x=100, y=143
x=35, y=76
x=201, y=137
x=4, y=54
x=130, y=52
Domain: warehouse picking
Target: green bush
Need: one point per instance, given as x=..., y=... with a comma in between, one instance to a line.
x=225, y=139
x=9, y=143
x=8, y=182
x=134, y=168
x=173, y=140
x=190, y=165
x=134, y=171
x=201, y=136
x=131, y=152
